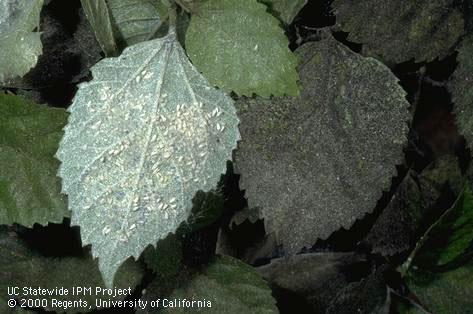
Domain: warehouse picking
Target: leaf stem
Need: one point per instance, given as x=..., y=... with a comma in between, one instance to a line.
x=171, y=5
x=183, y=5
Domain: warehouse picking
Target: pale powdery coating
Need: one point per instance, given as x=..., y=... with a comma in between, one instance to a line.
x=143, y=137
x=240, y=47
x=400, y=30
x=20, y=46
x=318, y=162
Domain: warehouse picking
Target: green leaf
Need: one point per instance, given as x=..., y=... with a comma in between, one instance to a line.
x=143, y=137
x=429, y=272
x=397, y=31
x=20, y=43
x=99, y=18
x=23, y=268
x=29, y=187
x=228, y=285
x=316, y=161
x=165, y=259
x=460, y=221
x=461, y=88
x=240, y=47
x=136, y=20
x=206, y=209
x=286, y=10
x=446, y=292
x=450, y=236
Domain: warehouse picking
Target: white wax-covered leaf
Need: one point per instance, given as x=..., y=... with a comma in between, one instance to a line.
x=143, y=137
x=20, y=44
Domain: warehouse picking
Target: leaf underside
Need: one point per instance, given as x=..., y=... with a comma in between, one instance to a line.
x=143, y=137
x=323, y=159
x=240, y=47
x=29, y=188
x=20, y=44
x=397, y=31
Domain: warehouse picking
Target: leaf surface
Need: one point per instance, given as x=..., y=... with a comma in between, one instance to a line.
x=240, y=47
x=29, y=187
x=98, y=15
x=450, y=236
x=322, y=160
x=446, y=292
x=136, y=20
x=143, y=137
x=397, y=31
x=398, y=226
x=21, y=267
x=20, y=43
x=317, y=278
x=165, y=259
x=229, y=284
x=461, y=88
x=286, y=10
x=440, y=271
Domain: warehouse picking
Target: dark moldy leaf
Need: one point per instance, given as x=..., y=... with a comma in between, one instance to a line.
x=370, y=296
x=461, y=87
x=401, y=222
x=324, y=177
x=397, y=31
x=318, y=278
x=248, y=242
